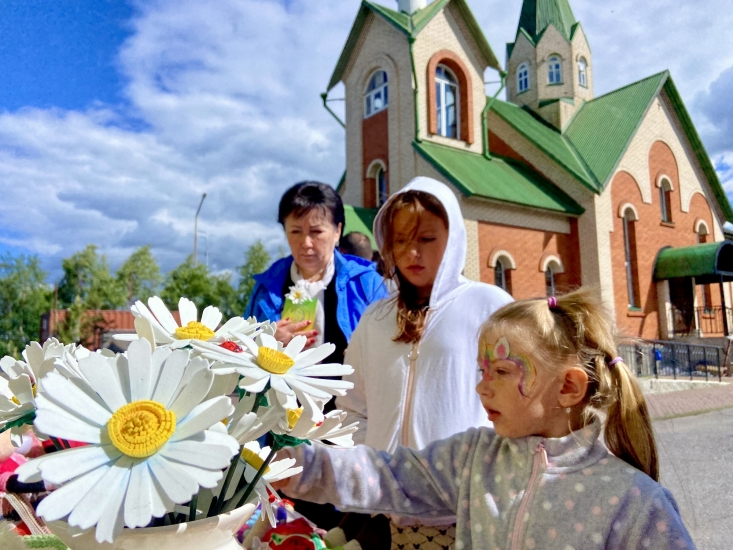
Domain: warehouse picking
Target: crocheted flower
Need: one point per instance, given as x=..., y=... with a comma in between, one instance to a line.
x=150, y=441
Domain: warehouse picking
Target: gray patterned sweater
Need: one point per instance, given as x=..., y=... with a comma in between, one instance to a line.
x=569, y=493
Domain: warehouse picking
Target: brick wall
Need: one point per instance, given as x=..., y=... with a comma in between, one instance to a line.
x=528, y=247
x=375, y=146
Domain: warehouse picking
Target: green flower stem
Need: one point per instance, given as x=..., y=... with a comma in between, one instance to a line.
x=192, y=512
x=258, y=475
x=217, y=503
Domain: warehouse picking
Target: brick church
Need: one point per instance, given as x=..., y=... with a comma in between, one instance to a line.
x=558, y=187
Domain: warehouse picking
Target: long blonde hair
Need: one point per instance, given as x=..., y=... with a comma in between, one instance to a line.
x=577, y=329
x=411, y=313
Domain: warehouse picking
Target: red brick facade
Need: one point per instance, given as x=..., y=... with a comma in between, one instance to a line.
x=375, y=146
x=652, y=235
x=529, y=248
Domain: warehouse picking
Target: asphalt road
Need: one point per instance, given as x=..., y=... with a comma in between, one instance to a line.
x=696, y=455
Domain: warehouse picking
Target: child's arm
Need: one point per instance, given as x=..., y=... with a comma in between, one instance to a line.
x=408, y=483
x=652, y=520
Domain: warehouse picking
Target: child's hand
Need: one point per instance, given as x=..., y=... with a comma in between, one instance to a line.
x=287, y=330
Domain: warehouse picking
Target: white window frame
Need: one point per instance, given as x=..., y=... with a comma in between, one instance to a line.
x=554, y=70
x=440, y=106
x=371, y=94
x=583, y=72
x=523, y=77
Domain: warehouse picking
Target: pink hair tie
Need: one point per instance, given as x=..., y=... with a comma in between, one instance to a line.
x=552, y=302
x=615, y=361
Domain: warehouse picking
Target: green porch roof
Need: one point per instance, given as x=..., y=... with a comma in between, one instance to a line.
x=498, y=179
x=410, y=26
x=360, y=220
x=708, y=263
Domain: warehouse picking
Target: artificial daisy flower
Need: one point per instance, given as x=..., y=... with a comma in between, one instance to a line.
x=150, y=445
x=328, y=427
x=289, y=370
x=158, y=326
x=298, y=293
x=251, y=459
x=245, y=425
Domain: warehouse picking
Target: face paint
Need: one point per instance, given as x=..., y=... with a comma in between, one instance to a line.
x=501, y=351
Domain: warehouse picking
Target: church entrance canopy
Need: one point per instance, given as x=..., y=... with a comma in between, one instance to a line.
x=708, y=263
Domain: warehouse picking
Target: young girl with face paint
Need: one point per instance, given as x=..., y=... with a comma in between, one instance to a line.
x=541, y=477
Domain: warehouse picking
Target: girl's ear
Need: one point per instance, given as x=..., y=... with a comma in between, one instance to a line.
x=574, y=387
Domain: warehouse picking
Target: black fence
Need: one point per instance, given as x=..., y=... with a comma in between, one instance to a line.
x=674, y=359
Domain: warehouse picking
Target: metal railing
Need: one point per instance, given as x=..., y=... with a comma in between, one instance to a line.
x=700, y=321
x=674, y=359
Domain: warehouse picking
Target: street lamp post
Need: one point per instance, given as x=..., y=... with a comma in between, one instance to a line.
x=196, y=233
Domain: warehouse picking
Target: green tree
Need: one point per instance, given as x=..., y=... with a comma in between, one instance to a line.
x=24, y=297
x=87, y=276
x=139, y=277
x=256, y=260
x=199, y=286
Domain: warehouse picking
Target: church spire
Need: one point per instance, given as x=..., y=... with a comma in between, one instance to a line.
x=537, y=15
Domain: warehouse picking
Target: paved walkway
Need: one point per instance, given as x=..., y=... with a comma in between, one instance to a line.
x=687, y=402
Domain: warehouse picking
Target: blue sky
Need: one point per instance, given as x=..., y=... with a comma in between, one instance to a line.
x=115, y=116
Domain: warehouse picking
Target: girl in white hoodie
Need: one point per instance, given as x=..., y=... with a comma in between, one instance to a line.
x=413, y=353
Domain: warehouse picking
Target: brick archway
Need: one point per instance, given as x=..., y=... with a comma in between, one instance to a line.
x=465, y=95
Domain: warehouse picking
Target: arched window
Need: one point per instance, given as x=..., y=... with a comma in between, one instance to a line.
x=550, y=288
x=665, y=200
x=376, y=97
x=380, y=179
x=707, y=295
x=523, y=78
x=583, y=72
x=446, y=96
x=503, y=274
x=554, y=70
x=632, y=271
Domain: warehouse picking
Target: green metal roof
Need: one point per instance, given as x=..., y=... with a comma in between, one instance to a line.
x=602, y=129
x=410, y=26
x=706, y=262
x=537, y=15
x=360, y=220
x=497, y=179
x=548, y=139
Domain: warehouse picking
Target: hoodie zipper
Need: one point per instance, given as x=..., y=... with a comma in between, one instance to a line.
x=410, y=390
x=539, y=463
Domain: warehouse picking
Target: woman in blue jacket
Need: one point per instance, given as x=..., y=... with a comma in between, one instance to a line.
x=312, y=215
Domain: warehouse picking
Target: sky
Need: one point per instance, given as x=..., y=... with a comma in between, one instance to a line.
x=115, y=116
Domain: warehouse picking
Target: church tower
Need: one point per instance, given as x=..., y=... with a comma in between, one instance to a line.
x=549, y=64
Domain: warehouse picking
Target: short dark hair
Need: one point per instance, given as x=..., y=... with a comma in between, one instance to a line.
x=356, y=244
x=303, y=197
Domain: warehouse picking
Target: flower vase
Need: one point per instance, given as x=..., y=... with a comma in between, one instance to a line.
x=214, y=533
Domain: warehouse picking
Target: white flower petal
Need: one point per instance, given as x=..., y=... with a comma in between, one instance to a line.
x=112, y=522
x=102, y=376
x=188, y=312
x=223, y=439
x=160, y=356
x=170, y=377
x=57, y=422
x=248, y=343
x=68, y=395
x=307, y=388
x=61, y=466
x=232, y=325
x=202, y=416
x=144, y=330
x=224, y=384
x=278, y=384
x=63, y=500
x=313, y=356
x=212, y=457
x=254, y=372
x=337, y=386
x=90, y=508
x=252, y=385
x=192, y=394
x=33, y=354
x=296, y=345
x=163, y=315
x=21, y=388
x=211, y=317
x=139, y=356
x=326, y=369
x=123, y=375
x=205, y=478
x=177, y=484
x=270, y=342
x=139, y=501
x=161, y=334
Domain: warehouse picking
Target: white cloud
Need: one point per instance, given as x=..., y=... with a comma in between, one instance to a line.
x=223, y=98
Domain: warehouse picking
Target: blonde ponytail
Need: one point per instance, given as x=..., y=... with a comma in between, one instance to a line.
x=628, y=432
x=577, y=328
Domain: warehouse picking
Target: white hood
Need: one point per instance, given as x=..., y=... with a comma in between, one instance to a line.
x=454, y=260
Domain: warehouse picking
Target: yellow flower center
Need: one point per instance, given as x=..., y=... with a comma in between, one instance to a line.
x=17, y=401
x=141, y=428
x=294, y=416
x=194, y=331
x=273, y=361
x=253, y=459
